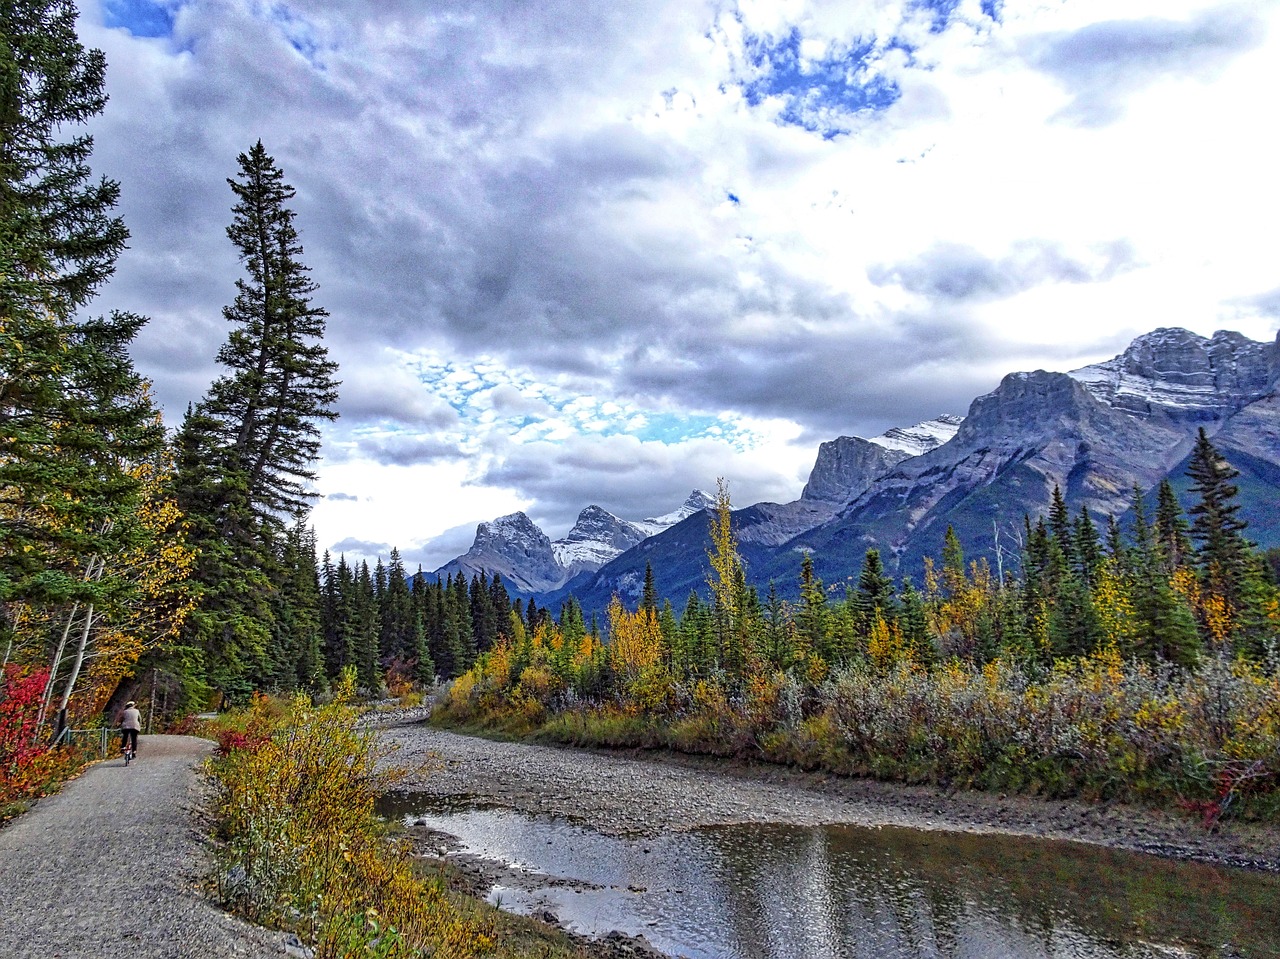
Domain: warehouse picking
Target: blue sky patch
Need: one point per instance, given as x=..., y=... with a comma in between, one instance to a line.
x=940, y=12
x=820, y=95
x=142, y=18
x=473, y=390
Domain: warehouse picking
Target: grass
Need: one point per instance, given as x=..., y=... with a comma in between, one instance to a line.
x=303, y=850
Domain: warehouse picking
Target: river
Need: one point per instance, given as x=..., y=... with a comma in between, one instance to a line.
x=785, y=892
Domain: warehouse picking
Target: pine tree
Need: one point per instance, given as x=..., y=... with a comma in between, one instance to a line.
x=1088, y=550
x=1173, y=545
x=368, y=659
x=874, y=593
x=1163, y=627
x=1060, y=525
x=247, y=449
x=649, y=597
x=296, y=661
x=280, y=380
x=1223, y=554
x=811, y=616
x=396, y=622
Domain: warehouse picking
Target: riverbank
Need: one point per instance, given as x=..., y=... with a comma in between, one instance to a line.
x=638, y=793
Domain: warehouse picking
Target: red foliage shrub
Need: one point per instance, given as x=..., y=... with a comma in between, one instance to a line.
x=20, y=754
x=230, y=740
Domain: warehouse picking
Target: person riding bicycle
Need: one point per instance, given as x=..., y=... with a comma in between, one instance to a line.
x=130, y=726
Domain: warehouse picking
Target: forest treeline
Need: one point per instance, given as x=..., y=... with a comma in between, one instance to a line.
x=1137, y=662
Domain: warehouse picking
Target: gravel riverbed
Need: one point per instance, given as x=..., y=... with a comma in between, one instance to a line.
x=645, y=793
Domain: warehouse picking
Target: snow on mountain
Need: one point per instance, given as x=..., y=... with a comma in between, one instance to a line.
x=515, y=547
x=696, y=502
x=918, y=439
x=597, y=537
x=1179, y=373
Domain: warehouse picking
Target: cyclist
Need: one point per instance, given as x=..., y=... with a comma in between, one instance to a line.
x=130, y=726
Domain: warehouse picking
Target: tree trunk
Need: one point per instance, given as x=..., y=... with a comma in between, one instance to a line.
x=75, y=669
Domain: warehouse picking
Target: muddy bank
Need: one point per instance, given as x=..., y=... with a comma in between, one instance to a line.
x=637, y=794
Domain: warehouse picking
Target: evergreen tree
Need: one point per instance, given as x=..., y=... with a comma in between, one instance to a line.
x=1223, y=554
x=874, y=593
x=1088, y=550
x=75, y=417
x=297, y=661
x=398, y=627
x=1163, y=625
x=464, y=640
x=280, y=380
x=913, y=622
x=247, y=449
x=776, y=650
x=1060, y=526
x=649, y=598
x=368, y=660
x=811, y=616
x=500, y=603
x=337, y=615
x=1173, y=545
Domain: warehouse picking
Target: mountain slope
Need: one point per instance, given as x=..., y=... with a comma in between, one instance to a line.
x=1095, y=433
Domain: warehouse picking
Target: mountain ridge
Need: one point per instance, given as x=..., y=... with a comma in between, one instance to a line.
x=1094, y=432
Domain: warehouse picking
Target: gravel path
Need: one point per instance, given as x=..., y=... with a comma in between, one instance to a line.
x=645, y=793
x=113, y=864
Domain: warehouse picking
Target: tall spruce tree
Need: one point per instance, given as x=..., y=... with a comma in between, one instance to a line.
x=249, y=447
x=1223, y=552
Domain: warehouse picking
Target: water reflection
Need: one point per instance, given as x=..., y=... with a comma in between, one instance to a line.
x=782, y=892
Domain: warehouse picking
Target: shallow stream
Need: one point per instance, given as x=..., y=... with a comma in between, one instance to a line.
x=847, y=891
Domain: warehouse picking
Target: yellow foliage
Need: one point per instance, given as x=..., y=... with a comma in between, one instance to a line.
x=635, y=641
x=885, y=645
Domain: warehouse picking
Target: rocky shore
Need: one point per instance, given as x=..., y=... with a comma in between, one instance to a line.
x=647, y=793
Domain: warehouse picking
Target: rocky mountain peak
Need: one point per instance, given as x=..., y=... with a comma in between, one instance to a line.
x=846, y=466
x=695, y=502
x=513, y=531
x=597, y=525
x=1178, y=373
x=918, y=439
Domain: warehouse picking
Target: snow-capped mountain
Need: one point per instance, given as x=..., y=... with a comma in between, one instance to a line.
x=918, y=439
x=597, y=537
x=515, y=548
x=1095, y=433
x=1177, y=373
x=696, y=502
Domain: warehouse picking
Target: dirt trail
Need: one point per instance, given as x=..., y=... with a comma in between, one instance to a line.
x=111, y=866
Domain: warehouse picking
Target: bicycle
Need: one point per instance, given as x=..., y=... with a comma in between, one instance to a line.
x=128, y=746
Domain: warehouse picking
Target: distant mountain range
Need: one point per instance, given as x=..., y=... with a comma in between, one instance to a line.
x=530, y=563
x=1095, y=432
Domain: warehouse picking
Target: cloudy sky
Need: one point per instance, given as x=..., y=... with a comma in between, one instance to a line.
x=605, y=252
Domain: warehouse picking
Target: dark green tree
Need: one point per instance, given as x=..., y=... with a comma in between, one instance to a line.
x=1173, y=545
x=874, y=592
x=649, y=598
x=248, y=448
x=74, y=415
x=1222, y=554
